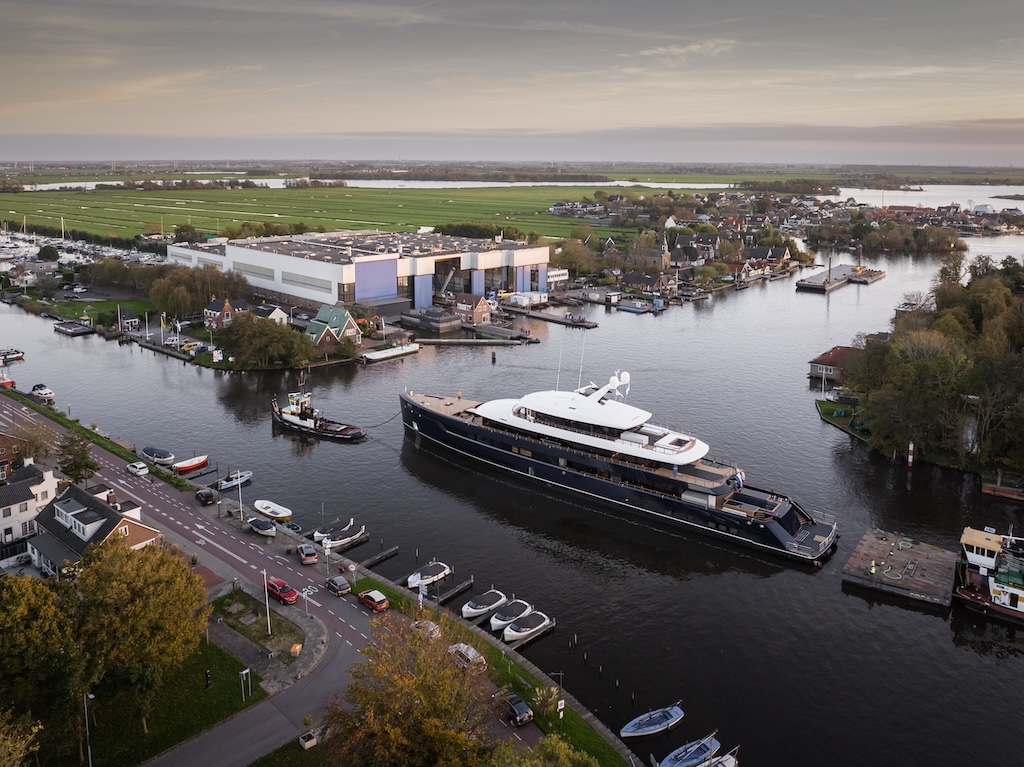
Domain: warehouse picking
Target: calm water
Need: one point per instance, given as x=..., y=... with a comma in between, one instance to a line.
x=780, y=659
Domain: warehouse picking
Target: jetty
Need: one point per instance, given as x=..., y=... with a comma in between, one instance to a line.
x=1007, y=486
x=73, y=328
x=568, y=319
x=379, y=355
x=895, y=564
x=837, y=276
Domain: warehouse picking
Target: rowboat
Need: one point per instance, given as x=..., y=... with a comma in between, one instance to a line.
x=653, y=722
x=271, y=510
x=191, y=464
x=319, y=535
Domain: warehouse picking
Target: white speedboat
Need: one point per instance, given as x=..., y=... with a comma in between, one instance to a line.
x=528, y=626
x=509, y=612
x=345, y=540
x=158, y=455
x=271, y=510
x=431, y=572
x=42, y=391
x=262, y=525
x=653, y=722
x=233, y=480
x=692, y=754
x=483, y=603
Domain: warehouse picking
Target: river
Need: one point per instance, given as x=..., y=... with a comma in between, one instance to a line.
x=780, y=659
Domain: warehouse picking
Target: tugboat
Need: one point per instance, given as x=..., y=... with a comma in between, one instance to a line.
x=300, y=416
x=992, y=582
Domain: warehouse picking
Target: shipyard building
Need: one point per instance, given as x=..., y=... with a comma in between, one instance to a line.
x=390, y=271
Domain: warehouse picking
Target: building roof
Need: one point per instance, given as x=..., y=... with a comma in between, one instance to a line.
x=834, y=357
x=18, y=486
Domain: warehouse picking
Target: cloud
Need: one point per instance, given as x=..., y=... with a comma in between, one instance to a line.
x=679, y=53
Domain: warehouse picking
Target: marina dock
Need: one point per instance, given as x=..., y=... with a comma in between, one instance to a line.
x=569, y=319
x=837, y=276
x=901, y=566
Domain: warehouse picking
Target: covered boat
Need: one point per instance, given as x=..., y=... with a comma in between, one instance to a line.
x=528, y=626
x=263, y=526
x=319, y=534
x=430, y=573
x=158, y=455
x=11, y=355
x=271, y=510
x=299, y=415
x=344, y=540
x=653, y=722
x=509, y=612
x=592, y=443
x=483, y=604
x=692, y=754
x=191, y=464
x=234, y=479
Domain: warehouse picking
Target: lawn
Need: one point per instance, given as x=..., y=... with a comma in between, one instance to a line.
x=184, y=708
x=248, y=617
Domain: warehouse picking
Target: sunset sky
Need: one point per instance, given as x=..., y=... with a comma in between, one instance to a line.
x=893, y=81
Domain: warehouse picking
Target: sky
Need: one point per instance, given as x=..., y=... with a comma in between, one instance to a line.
x=925, y=82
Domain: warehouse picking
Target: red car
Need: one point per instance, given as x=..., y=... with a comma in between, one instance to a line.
x=281, y=591
x=374, y=600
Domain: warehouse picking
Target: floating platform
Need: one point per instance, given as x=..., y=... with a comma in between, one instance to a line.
x=387, y=354
x=837, y=276
x=379, y=557
x=903, y=567
x=73, y=328
x=570, y=320
x=1008, y=486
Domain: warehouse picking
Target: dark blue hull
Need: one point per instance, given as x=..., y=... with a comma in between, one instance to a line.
x=626, y=489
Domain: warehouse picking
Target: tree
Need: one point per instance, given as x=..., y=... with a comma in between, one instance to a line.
x=257, y=342
x=141, y=612
x=46, y=286
x=17, y=739
x=48, y=253
x=38, y=438
x=76, y=459
x=410, y=706
x=552, y=752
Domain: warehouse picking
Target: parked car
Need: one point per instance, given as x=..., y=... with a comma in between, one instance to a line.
x=466, y=656
x=206, y=496
x=190, y=346
x=307, y=553
x=281, y=591
x=302, y=316
x=374, y=600
x=338, y=585
x=515, y=708
x=198, y=349
x=172, y=341
x=137, y=469
x=80, y=289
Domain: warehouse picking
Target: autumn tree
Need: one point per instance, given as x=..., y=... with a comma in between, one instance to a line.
x=75, y=457
x=38, y=438
x=552, y=752
x=17, y=739
x=257, y=343
x=409, y=705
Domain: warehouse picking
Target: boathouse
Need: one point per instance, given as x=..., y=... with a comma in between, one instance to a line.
x=828, y=367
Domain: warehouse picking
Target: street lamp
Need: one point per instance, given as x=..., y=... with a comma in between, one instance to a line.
x=86, y=697
x=266, y=595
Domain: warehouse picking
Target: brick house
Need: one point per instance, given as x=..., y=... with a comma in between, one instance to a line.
x=220, y=311
x=828, y=367
x=472, y=310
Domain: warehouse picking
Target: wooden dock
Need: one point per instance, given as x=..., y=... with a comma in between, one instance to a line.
x=1008, y=486
x=898, y=565
x=569, y=319
x=468, y=342
x=378, y=558
x=837, y=276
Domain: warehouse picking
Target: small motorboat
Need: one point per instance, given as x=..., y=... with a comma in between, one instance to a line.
x=334, y=543
x=262, y=525
x=509, y=612
x=42, y=391
x=692, y=754
x=319, y=535
x=653, y=722
x=274, y=511
x=293, y=527
x=528, y=626
x=158, y=456
x=5, y=382
x=234, y=479
x=11, y=355
x=431, y=572
x=484, y=603
x=191, y=464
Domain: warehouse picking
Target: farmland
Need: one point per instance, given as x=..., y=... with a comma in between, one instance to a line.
x=125, y=213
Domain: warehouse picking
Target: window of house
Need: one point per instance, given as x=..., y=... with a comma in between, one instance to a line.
x=124, y=531
x=44, y=495
x=8, y=533
x=23, y=507
x=28, y=528
x=7, y=512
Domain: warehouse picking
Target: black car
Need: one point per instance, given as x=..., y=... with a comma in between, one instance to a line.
x=516, y=710
x=206, y=496
x=338, y=585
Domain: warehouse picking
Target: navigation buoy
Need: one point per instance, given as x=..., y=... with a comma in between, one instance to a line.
x=910, y=455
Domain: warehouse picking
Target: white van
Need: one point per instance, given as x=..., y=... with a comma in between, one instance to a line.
x=466, y=656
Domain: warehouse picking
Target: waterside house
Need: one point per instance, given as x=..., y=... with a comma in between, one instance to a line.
x=331, y=326
x=828, y=367
x=220, y=311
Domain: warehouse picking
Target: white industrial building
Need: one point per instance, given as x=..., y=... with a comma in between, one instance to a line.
x=388, y=270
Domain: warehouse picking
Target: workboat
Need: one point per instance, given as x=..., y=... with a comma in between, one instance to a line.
x=510, y=612
x=11, y=355
x=992, y=581
x=592, y=443
x=528, y=626
x=483, y=604
x=653, y=722
x=319, y=535
x=158, y=456
x=343, y=540
x=431, y=572
x=233, y=480
x=299, y=415
x=692, y=754
x=271, y=510
x=190, y=464
x=262, y=525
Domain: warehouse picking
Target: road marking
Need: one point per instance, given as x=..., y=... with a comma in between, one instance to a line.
x=226, y=551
